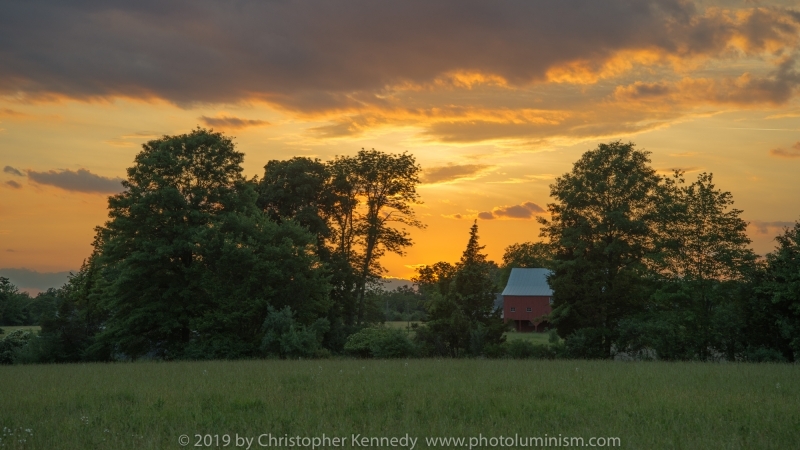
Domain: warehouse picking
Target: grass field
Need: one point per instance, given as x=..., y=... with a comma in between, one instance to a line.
x=645, y=405
x=536, y=338
x=7, y=330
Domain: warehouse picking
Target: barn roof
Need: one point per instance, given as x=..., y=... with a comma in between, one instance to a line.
x=528, y=282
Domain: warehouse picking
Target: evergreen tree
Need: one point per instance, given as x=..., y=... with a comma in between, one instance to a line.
x=461, y=315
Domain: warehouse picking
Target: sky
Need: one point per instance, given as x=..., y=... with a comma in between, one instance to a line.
x=494, y=99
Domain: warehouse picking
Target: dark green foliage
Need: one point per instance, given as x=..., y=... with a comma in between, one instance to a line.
x=386, y=183
x=780, y=289
x=588, y=343
x=600, y=232
x=663, y=335
x=763, y=354
x=299, y=189
x=702, y=261
x=525, y=255
x=358, y=208
x=284, y=337
x=19, y=309
x=14, y=305
x=435, y=279
x=461, y=315
x=12, y=344
x=650, y=267
x=68, y=332
x=190, y=262
x=42, y=306
x=383, y=343
x=401, y=304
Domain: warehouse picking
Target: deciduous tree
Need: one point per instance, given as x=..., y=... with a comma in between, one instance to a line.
x=191, y=263
x=601, y=226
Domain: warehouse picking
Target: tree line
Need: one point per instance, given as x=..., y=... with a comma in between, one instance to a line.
x=198, y=262
x=656, y=267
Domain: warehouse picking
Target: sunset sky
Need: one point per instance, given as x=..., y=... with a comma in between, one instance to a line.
x=494, y=99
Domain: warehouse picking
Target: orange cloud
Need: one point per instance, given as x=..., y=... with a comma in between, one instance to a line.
x=453, y=172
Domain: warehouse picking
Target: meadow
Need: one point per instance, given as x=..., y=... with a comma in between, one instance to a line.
x=534, y=338
x=149, y=405
x=8, y=330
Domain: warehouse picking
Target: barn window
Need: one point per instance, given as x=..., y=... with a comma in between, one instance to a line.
x=528, y=309
x=513, y=309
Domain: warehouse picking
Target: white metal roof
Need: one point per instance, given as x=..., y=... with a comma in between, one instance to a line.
x=528, y=282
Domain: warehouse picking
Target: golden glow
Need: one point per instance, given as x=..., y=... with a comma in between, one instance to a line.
x=489, y=141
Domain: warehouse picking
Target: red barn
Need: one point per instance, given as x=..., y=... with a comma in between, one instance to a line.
x=528, y=299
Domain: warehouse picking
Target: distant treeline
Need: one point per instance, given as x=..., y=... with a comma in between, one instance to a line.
x=198, y=262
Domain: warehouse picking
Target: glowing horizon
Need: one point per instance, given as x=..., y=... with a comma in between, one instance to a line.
x=494, y=102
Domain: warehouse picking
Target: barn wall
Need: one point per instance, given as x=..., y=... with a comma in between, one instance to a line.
x=540, y=306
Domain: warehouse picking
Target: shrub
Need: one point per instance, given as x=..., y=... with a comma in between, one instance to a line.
x=587, y=343
x=496, y=350
x=763, y=354
x=520, y=349
x=285, y=338
x=379, y=343
x=11, y=345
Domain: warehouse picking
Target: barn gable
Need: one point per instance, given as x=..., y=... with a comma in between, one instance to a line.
x=527, y=299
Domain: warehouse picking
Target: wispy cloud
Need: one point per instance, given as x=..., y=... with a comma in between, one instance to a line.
x=791, y=153
x=762, y=227
x=231, y=123
x=525, y=179
x=453, y=172
x=13, y=184
x=525, y=210
x=453, y=216
x=130, y=140
x=80, y=180
x=671, y=170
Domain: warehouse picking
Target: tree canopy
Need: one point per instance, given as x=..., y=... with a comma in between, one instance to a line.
x=600, y=231
x=191, y=264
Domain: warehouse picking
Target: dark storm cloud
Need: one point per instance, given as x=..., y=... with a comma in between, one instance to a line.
x=79, y=181
x=322, y=56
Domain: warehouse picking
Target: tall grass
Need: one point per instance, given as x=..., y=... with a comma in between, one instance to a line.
x=646, y=405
